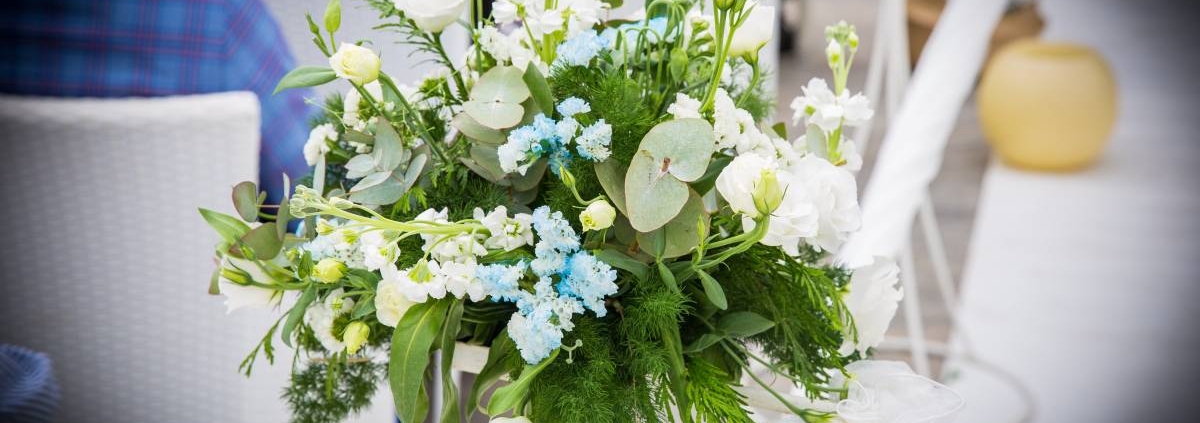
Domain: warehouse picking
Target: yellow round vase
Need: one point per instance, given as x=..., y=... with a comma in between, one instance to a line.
x=1047, y=106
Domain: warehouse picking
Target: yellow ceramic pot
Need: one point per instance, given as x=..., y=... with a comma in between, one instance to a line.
x=1047, y=106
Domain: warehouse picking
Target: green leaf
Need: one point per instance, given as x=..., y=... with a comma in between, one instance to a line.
x=333, y=16
x=450, y=410
x=494, y=114
x=230, y=228
x=621, y=261
x=743, y=324
x=263, y=241
x=713, y=290
x=507, y=397
x=706, y=182
x=538, y=88
x=411, y=343
x=503, y=84
x=297, y=313
x=495, y=368
x=312, y=26
x=671, y=153
x=702, y=343
x=679, y=63
x=284, y=215
x=612, y=178
x=476, y=131
x=389, y=148
x=681, y=147
x=305, y=266
x=364, y=307
x=680, y=235
x=245, y=200
x=667, y=276
x=305, y=76
x=652, y=197
x=780, y=129
x=214, y=283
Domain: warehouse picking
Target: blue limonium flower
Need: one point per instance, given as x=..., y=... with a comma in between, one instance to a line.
x=501, y=281
x=589, y=280
x=529, y=143
x=573, y=106
x=581, y=49
x=593, y=143
x=556, y=239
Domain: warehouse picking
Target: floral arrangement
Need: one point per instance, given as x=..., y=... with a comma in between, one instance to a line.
x=594, y=200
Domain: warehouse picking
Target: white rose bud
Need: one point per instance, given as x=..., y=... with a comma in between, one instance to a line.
x=329, y=270
x=358, y=64
x=598, y=215
x=355, y=336
x=432, y=15
x=754, y=33
x=739, y=180
x=767, y=191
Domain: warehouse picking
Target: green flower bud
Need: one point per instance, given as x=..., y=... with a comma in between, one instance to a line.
x=329, y=270
x=768, y=194
x=355, y=336
x=723, y=4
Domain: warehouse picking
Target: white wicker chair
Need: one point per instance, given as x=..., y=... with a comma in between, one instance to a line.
x=107, y=260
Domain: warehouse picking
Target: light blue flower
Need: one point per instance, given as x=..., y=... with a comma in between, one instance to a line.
x=501, y=282
x=581, y=49
x=593, y=143
x=573, y=106
x=589, y=280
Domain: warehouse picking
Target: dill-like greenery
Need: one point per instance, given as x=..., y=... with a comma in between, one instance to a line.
x=804, y=303
x=613, y=97
x=711, y=391
x=353, y=386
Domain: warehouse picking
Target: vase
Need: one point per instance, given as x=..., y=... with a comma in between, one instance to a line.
x=1047, y=106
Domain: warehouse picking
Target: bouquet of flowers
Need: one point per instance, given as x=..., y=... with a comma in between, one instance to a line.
x=595, y=201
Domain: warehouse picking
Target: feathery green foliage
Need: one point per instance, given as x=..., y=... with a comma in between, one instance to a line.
x=353, y=386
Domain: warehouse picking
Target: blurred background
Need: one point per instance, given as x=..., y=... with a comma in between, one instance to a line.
x=1033, y=164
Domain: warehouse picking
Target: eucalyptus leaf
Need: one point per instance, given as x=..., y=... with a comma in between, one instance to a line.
x=245, y=200
x=681, y=147
x=305, y=76
x=612, y=178
x=621, y=261
x=389, y=148
x=652, y=197
x=743, y=324
x=412, y=340
x=389, y=191
x=230, y=228
x=503, y=84
x=360, y=166
x=486, y=157
x=702, y=343
x=476, y=131
x=709, y=180
x=680, y=235
x=262, y=241
x=532, y=176
x=494, y=114
x=371, y=180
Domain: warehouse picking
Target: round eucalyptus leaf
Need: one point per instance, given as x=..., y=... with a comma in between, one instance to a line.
x=680, y=235
x=652, y=196
x=245, y=200
x=494, y=114
x=682, y=147
x=503, y=84
x=475, y=131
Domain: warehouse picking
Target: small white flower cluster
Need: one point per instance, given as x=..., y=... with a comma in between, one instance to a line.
x=511, y=49
x=320, y=316
x=336, y=241
x=573, y=16
x=452, y=265
x=819, y=108
x=317, y=145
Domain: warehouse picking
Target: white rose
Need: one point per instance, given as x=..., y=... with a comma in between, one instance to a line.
x=834, y=192
x=598, y=215
x=320, y=316
x=791, y=220
x=754, y=33
x=432, y=15
x=737, y=181
x=890, y=392
x=391, y=302
x=355, y=63
x=871, y=298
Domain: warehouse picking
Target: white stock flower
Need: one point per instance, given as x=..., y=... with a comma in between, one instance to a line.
x=378, y=250
x=819, y=106
x=391, y=302
x=871, y=298
x=358, y=64
x=320, y=316
x=581, y=14
x=432, y=15
x=350, y=107
x=460, y=281
x=507, y=233
x=834, y=193
x=432, y=215
x=684, y=107
x=890, y=392
x=457, y=248
x=317, y=145
x=541, y=23
x=754, y=33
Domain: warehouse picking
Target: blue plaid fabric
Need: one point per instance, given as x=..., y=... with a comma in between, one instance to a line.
x=28, y=391
x=122, y=48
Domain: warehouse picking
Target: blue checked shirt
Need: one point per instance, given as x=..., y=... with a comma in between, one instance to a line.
x=124, y=48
